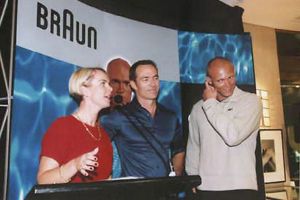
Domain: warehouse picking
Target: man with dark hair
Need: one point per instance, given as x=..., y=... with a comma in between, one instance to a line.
x=148, y=136
x=223, y=129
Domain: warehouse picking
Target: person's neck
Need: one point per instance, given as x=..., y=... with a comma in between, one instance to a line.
x=86, y=115
x=221, y=98
x=149, y=105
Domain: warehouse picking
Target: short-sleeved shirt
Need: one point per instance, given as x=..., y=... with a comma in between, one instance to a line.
x=67, y=139
x=145, y=143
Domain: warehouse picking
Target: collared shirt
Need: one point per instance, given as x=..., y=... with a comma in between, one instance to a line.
x=145, y=143
x=222, y=141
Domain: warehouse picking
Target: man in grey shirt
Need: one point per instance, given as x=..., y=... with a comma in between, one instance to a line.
x=223, y=128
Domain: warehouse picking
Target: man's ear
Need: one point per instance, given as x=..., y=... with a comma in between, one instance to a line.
x=133, y=85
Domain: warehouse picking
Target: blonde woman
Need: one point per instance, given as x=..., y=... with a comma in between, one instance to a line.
x=75, y=148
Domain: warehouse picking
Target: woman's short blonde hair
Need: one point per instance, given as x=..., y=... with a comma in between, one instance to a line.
x=81, y=77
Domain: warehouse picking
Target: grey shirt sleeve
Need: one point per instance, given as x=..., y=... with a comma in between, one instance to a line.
x=193, y=145
x=234, y=129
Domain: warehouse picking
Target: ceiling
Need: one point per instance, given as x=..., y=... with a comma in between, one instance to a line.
x=278, y=14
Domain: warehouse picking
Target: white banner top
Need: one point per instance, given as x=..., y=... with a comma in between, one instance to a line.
x=73, y=32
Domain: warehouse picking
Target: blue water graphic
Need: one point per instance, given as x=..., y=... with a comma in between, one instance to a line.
x=196, y=49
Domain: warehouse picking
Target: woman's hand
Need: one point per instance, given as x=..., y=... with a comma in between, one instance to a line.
x=87, y=162
x=51, y=172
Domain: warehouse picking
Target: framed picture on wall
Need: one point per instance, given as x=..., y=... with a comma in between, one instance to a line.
x=277, y=195
x=272, y=155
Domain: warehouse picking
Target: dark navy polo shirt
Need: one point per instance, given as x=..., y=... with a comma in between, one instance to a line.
x=145, y=144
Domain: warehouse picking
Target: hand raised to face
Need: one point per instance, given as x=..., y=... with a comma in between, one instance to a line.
x=209, y=91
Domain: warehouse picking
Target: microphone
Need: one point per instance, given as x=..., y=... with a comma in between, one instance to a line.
x=118, y=99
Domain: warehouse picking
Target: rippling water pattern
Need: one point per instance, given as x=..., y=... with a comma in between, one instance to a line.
x=196, y=49
x=41, y=96
x=170, y=97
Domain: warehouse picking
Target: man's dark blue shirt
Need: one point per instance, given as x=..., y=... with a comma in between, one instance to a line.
x=145, y=143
